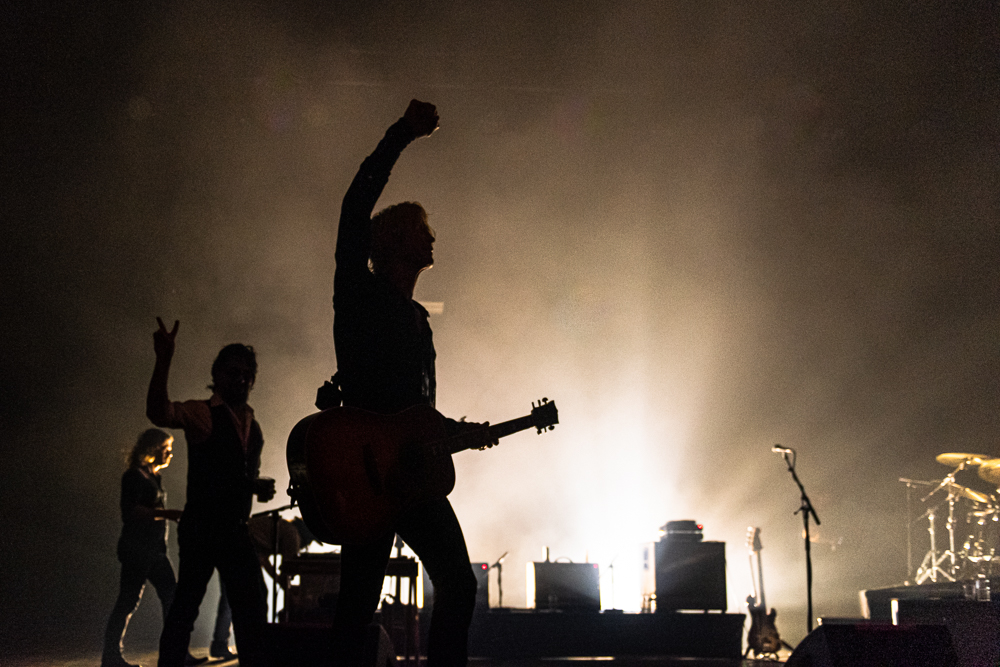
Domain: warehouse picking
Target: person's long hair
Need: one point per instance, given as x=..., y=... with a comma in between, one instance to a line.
x=146, y=445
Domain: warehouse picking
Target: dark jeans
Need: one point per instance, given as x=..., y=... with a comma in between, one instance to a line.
x=433, y=532
x=223, y=619
x=157, y=569
x=204, y=548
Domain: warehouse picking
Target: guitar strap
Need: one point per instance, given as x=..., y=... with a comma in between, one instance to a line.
x=329, y=395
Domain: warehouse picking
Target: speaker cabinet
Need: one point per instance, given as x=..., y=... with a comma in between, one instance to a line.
x=565, y=586
x=875, y=645
x=690, y=575
x=482, y=572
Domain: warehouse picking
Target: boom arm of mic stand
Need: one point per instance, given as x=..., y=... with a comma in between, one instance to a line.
x=806, y=503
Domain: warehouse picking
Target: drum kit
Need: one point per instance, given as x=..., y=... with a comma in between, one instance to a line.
x=973, y=521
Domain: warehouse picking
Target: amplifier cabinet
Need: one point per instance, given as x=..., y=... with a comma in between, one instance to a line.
x=564, y=586
x=690, y=575
x=482, y=572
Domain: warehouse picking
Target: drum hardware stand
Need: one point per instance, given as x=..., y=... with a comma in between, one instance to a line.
x=977, y=551
x=910, y=485
x=931, y=565
x=930, y=568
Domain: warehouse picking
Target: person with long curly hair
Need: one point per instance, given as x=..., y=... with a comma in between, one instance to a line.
x=142, y=547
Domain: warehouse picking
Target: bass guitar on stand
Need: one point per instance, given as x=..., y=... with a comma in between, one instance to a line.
x=763, y=638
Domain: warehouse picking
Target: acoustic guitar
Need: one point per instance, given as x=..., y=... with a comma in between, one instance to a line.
x=353, y=472
x=763, y=638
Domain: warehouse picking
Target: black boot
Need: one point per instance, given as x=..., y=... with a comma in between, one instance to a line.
x=220, y=651
x=116, y=661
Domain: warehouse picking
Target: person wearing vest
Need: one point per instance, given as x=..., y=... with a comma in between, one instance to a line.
x=224, y=447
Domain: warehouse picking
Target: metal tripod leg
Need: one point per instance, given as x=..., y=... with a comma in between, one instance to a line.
x=930, y=567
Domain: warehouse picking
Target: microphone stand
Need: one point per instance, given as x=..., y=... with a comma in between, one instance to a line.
x=274, y=514
x=807, y=510
x=499, y=568
x=612, y=568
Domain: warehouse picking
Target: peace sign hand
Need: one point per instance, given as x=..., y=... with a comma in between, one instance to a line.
x=163, y=340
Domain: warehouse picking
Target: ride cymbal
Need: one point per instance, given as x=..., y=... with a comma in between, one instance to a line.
x=990, y=471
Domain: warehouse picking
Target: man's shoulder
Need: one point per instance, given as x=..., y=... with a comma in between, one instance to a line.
x=195, y=407
x=187, y=415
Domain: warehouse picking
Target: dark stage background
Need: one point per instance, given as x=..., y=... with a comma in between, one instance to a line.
x=702, y=227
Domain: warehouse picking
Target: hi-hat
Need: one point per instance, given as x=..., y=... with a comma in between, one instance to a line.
x=955, y=459
x=990, y=471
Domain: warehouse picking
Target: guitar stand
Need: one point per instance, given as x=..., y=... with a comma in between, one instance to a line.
x=765, y=655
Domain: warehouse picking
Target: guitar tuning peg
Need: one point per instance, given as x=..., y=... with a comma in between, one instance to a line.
x=552, y=428
x=545, y=400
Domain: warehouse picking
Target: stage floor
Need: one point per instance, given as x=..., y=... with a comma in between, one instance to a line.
x=149, y=660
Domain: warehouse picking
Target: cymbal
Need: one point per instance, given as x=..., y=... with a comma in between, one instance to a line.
x=990, y=471
x=955, y=459
x=971, y=494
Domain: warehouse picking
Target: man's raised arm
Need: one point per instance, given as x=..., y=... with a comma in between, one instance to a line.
x=354, y=234
x=157, y=399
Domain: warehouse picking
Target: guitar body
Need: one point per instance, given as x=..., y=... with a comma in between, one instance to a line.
x=763, y=637
x=354, y=472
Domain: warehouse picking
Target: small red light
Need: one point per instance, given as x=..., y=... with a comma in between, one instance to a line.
x=482, y=566
x=700, y=526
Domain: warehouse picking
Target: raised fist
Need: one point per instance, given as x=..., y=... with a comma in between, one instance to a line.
x=422, y=118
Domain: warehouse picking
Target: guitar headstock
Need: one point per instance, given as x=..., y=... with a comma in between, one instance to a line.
x=544, y=416
x=753, y=539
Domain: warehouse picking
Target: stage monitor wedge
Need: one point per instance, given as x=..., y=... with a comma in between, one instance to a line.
x=875, y=645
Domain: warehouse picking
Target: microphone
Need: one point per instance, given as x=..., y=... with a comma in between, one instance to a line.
x=778, y=449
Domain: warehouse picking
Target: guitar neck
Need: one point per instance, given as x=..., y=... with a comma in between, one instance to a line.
x=503, y=429
x=760, y=579
x=464, y=441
